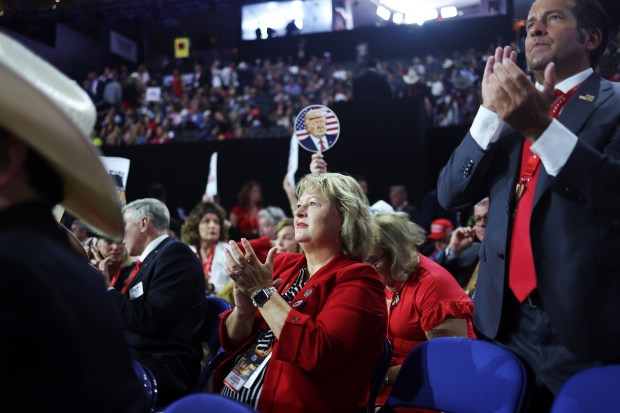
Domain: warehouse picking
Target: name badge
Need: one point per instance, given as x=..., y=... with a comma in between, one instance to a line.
x=136, y=291
x=246, y=370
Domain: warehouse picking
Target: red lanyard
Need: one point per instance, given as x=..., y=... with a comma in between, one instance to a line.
x=528, y=172
x=206, y=267
x=134, y=272
x=115, y=277
x=533, y=160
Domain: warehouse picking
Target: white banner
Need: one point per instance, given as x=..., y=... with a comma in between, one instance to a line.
x=153, y=94
x=118, y=168
x=211, y=188
x=123, y=46
x=293, y=160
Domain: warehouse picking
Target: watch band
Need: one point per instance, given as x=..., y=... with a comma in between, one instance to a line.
x=260, y=297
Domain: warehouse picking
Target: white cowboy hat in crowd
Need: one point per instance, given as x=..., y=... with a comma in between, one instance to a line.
x=55, y=117
x=411, y=77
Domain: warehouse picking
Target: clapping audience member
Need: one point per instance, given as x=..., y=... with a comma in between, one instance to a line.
x=285, y=242
x=206, y=231
x=319, y=316
x=424, y=300
x=244, y=215
x=163, y=302
x=63, y=346
x=547, y=284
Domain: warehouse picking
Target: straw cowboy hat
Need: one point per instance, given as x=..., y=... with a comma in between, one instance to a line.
x=55, y=117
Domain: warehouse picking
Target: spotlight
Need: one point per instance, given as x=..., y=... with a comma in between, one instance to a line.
x=383, y=13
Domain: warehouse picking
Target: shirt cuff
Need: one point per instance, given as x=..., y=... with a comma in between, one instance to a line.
x=110, y=288
x=554, y=147
x=486, y=127
x=450, y=254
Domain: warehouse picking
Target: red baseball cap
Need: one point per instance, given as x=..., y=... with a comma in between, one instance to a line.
x=441, y=228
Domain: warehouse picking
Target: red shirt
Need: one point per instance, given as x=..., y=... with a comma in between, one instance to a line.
x=427, y=298
x=246, y=223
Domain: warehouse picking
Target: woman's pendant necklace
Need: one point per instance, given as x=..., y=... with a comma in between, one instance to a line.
x=396, y=296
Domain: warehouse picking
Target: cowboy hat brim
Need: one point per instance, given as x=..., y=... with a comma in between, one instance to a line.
x=411, y=79
x=54, y=116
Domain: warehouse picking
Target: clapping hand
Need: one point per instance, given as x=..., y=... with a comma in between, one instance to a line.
x=248, y=273
x=509, y=92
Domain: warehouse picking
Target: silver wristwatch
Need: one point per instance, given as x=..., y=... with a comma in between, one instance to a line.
x=260, y=297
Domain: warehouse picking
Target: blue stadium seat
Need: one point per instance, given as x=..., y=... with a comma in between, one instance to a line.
x=378, y=374
x=596, y=389
x=458, y=374
x=148, y=381
x=204, y=402
x=215, y=306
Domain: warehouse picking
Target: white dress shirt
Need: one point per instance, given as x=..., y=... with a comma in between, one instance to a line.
x=553, y=147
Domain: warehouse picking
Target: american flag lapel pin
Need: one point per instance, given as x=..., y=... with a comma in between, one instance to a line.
x=588, y=98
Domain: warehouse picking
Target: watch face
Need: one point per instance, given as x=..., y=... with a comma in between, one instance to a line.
x=261, y=296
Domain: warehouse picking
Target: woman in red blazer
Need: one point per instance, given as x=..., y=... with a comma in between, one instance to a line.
x=307, y=328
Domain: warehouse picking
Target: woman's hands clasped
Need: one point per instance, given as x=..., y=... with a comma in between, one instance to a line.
x=248, y=273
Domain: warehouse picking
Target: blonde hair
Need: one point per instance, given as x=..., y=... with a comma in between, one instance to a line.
x=351, y=203
x=398, y=238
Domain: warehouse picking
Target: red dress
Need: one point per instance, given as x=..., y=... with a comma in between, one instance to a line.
x=426, y=299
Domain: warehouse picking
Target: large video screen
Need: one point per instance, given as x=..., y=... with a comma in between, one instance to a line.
x=276, y=19
x=283, y=18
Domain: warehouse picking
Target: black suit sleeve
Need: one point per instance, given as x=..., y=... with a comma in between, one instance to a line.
x=170, y=283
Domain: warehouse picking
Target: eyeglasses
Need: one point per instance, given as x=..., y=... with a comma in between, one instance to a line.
x=374, y=263
x=478, y=218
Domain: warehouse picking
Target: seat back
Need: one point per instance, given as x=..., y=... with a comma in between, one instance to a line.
x=206, y=402
x=378, y=375
x=596, y=389
x=148, y=381
x=210, y=329
x=459, y=374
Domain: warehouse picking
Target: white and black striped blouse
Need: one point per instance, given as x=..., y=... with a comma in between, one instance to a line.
x=265, y=338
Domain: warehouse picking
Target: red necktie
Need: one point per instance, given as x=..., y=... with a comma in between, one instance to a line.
x=133, y=274
x=322, y=145
x=521, y=270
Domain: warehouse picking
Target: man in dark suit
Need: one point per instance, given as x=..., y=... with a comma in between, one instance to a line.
x=548, y=282
x=200, y=78
x=63, y=347
x=371, y=85
x=318, y=140
x=461, y=254
x=163, y=302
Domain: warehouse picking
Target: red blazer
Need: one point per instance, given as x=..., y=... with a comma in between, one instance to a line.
x=330, y=341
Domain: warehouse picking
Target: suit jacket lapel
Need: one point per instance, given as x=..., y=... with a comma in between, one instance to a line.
x=589, y=97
